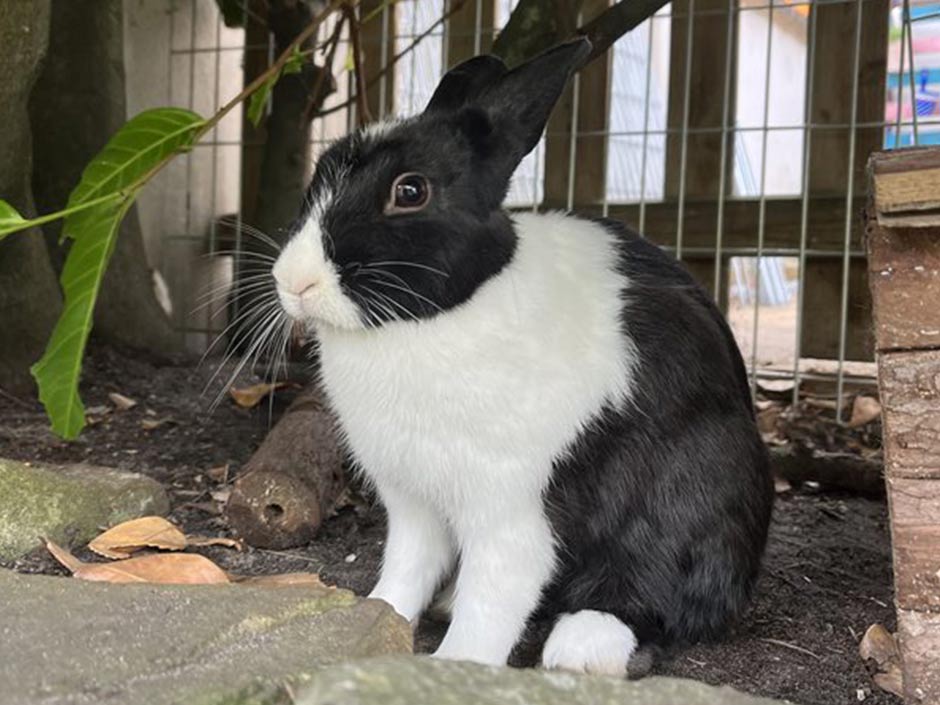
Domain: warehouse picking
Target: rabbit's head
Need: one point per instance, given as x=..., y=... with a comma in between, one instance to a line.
x=403, y=220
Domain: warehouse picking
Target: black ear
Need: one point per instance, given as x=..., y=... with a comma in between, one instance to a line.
x=465, y=82
x=520, y=102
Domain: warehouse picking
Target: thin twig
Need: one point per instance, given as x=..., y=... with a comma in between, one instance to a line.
x=792, y=647
x=362, y=103
x=313, y=101
x=275, y=68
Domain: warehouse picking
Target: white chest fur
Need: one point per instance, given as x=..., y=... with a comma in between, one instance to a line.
x=472, y=406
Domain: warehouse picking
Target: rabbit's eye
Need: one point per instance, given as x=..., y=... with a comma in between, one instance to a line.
x=410, y=192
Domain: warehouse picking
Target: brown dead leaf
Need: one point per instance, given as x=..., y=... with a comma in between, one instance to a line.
x=892, y=681
x=282, y=580
x=880, y=646
x=122, y=402
x=250, y=397
x=864, y=410
x=122, y=540
x=221, y=496
x=215, y=541
x=167, y=568
x=151, y=424
x=218, y=474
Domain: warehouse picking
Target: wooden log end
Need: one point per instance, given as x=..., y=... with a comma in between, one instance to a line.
x=273, y=510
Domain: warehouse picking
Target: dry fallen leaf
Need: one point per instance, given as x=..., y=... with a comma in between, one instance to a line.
x=880, y=646
x=250, y=397
x=891, y=681
x=218, y=474
x=215, y=541
x=122, y=402
x=283, y=580
x=150, y=424
x=864, y=410
x=221, y=496
x=155, y=532
x=167, y=568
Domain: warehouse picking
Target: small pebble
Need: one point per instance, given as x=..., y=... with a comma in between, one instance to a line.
x=351, y=558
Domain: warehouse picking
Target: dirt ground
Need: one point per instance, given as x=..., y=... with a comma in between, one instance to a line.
x=827, y=573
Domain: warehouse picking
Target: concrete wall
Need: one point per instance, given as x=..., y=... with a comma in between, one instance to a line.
x=171, y=59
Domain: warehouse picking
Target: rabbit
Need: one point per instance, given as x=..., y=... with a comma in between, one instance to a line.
x=548, y=407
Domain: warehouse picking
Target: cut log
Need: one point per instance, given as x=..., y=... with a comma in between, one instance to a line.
x=291, y=483
x=843, y=471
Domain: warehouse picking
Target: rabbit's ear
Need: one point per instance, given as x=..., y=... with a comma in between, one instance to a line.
x=464, y=83
x=519, y=103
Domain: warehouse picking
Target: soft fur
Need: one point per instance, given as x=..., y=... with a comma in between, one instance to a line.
x=548, y=404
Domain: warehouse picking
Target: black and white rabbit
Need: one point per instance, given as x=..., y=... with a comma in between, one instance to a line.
x=548, y=405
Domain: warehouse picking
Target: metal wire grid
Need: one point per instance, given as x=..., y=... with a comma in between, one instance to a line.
x=634, y=59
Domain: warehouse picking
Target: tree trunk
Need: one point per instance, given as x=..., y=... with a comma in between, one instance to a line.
x=276, y=154
x=78, y=103
x=29, y=295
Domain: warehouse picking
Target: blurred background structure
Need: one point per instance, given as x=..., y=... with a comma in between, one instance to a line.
x=734, y=133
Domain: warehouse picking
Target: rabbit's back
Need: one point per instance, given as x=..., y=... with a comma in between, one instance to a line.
x=662, y=506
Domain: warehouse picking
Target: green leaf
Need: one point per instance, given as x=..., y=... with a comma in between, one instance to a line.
x=123, y=166
x=259, y=99
x=10, y=220
x=295, y=63
x=139, y=146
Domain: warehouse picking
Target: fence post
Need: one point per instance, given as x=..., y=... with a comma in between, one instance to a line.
x=703, y=102
x=830, y=104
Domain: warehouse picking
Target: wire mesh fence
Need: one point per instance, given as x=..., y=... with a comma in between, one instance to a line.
x=734, y=133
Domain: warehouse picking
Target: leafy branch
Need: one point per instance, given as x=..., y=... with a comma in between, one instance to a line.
x=92, y=217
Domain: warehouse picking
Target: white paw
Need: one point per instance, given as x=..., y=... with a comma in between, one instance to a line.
x=396, y=605
x=589, y=642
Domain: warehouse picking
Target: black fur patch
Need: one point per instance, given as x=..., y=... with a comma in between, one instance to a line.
x=661, y=508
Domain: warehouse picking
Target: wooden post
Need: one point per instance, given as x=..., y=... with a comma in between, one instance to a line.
x=710, y=37
x=378, y=34
x=831, y=104
x=903, y=242
x=461, y=30
x=590, y=151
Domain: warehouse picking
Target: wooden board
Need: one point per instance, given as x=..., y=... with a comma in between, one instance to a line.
x=915, y=537
x=904, y=270
x=461, y=30
x=781, y=227
x=379, y=96
x=906, y=187
x=909, y=384
x=919, y=636
x=833, y=79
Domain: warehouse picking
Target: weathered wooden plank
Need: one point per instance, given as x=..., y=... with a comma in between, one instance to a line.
x=909, y=384
x=461, y=30
x=592, y=107
x=904, y=270
x=915, y=539
x=833, y=60
x=781, y=227
x=919, y=637
x=906, y=186
x=378, y=34
x=710, y=36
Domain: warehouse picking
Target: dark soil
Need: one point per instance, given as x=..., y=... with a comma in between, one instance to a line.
x=827, y=573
